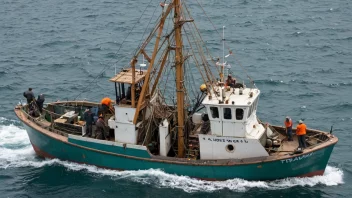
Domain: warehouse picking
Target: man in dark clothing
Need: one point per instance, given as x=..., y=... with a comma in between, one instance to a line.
x=29, y=95
x=100, y=130
x=88, y=116
x=231, y=82
x=40, y=102
x=205, y=125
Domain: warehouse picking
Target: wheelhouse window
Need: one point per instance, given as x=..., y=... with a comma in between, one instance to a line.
x=227, y=114
x=239, y=114
x=214, y=112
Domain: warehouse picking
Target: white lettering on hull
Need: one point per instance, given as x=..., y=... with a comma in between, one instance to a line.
x=225, y=140
x=297, y=158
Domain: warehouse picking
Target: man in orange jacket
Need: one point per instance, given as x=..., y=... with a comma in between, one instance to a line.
x=288, y=125
x=301, y=134
x=106, y=104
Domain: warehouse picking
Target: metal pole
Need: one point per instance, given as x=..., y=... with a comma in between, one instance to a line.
x=223, y=54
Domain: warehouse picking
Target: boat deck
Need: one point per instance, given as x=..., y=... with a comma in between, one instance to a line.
x=286, y=147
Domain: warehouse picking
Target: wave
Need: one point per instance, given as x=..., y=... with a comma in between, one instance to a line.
x=57, y=43
x=91, y=16
x=349, y=38
x=270, y=82
x=309, y=95
x=3, y=72
x=347, y=84
x=98, y=48
x=16, y=152
x=111, y=55
x=345, y=106
x=298, y=33
x=6, y=87
x=325, y=71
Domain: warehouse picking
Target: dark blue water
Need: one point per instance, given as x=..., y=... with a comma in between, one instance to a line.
x=298, y=53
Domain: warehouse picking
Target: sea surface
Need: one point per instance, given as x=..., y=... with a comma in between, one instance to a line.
x=299, y=54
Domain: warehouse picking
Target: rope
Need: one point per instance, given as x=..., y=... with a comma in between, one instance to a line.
x=201, y=49
x=238, y=62
x=109, y=66
x=140, y=42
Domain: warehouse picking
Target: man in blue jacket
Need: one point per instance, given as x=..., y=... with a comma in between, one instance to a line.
x=89, y=118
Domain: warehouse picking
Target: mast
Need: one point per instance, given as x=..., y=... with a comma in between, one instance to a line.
x=179, y=78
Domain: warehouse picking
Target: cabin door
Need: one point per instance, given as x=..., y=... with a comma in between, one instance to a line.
x=215, y=120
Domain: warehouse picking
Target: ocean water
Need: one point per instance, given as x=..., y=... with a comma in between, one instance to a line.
x=297, y=52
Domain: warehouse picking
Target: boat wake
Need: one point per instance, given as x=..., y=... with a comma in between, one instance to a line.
x=16, y=151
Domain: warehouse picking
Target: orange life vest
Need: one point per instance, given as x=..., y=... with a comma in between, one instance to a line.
x=106, y=101
x=288, y=124
x=301, y=129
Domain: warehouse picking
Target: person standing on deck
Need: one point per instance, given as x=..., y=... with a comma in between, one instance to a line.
x=40, y=102
x=89, y=118
x=230, y=81
x=288, y=125
x=100, y=130
x=106, y=105
x=29, y=95
x=301, y=134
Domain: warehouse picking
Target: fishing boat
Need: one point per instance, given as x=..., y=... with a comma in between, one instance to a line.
x=175, y=112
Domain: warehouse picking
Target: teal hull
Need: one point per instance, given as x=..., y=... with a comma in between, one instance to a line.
x=107, y=156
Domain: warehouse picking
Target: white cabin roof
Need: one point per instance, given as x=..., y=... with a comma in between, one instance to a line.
x=232, y=96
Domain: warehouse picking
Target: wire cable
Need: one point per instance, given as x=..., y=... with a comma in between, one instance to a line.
x=109, y=66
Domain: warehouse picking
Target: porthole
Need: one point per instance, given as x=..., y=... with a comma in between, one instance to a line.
x=230, y=148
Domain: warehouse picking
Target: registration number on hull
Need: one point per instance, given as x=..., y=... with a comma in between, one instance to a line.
x=297, y=158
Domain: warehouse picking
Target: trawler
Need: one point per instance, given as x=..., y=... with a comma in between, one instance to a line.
x=160, y=121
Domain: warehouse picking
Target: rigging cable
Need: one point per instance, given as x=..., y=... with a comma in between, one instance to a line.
x=140, y=42
x=200, y=48
x=238, y=62
x=109, y=66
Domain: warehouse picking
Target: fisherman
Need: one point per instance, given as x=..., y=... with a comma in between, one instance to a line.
x=301, y=134
x=29, y=95
x=205, y=127
x=100, y=130
x=231, y=82
x=88, y=116
x=106, y=105
x=32, y=111
x=40, y=102
x=288, y=124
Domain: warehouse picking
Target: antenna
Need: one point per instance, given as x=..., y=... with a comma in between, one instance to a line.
x=223, y=53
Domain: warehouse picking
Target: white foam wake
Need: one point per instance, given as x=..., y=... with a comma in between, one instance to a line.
x=16, y=151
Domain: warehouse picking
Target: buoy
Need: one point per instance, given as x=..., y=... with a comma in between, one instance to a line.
x=203, y=88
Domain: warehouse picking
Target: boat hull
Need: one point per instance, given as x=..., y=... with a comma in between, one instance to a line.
x=309, y=164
